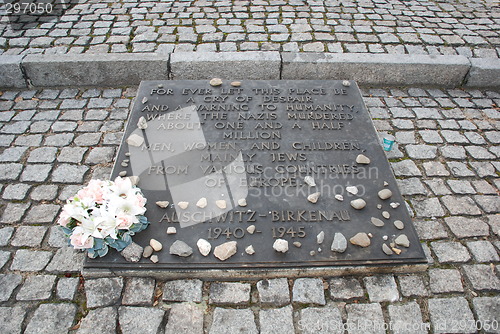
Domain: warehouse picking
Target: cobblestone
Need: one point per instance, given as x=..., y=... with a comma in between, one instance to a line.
x=101, y=320
x=308, y=291
x=488, y=311
x=381, y=288
x=37, y=288
x=412, y=285
x=226, y=321
x=276, y=321
x=443, y=311
x=406, y=316
x=184, y=318
x=140, y=319
x=345, y=288
x=229, y=293
x=66, y=287
x=11, y=319
x=183, y=291
x=9, y=282
x=44, y=321
x=450, y=251
x=483, y=251
x=29, y=260
x=138, y=291
x=357, y=314
x=103, y=291
x=464, y=227
x=29, y=236
x=5, y=235
x=445, y=281
x=482, y=277
x=274, y=292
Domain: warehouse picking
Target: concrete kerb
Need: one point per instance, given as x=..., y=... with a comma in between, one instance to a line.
x=106, y=70
x=484, y=72
x=378, y=69
x=251, y=65
x=129, y=69
x=11, y=74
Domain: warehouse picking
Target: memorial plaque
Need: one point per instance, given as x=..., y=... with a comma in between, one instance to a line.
x=269, y=174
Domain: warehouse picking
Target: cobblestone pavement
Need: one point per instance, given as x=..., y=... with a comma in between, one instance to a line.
x=447, y=164
x=465, y=27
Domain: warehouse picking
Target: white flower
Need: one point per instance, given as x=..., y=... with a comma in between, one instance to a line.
x=126, y=205
x=76, y=211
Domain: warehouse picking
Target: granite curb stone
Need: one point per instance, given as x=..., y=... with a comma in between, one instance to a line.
x=130, y=68
x=11, y=74
x=377, y=69
x=484, y=72
x=227, y=65
x=94, y=70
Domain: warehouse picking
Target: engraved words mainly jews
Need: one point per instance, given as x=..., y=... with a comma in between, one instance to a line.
x=262, y=174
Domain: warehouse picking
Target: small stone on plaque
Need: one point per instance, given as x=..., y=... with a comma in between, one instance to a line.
x=297, y=244
x=135, y=140
x=215, y=82
x=236, y=83
x=395, y=205
x=251, y=229
x=171, y=230
x=142, y=123
x=221, y=204
x=249, y=250
x=339, y=243
x=180, y=248
x=124, y=164
x=320, y=237
x=202, y=203
x=183, y=205
x=386, y=249
x=339, y=198
x=385, y=193
x=402, y=240
x=346, y=83
x=242, y=202
x=163, y=204
x=352, y=190
x=204, y=246
x=377, y=222
x=226, y=250
x=148, y=250
x=154, y=258
x=386, y=214
x=379, y=206
x=361, y=239
x=396, y=250
x=362, y=159
x=309, y=180
x=281, y=245
x=144, y=100
x=123, y=173
x=313, y=198
x=399, y=224
x=156, y=245
x=358, y=203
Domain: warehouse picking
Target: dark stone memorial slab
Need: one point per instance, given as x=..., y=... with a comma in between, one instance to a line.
x=270, y=174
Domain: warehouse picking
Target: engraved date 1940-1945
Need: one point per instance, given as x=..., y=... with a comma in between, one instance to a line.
x=238, y=232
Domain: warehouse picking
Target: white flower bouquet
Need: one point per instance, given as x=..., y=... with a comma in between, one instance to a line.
x=104, y=214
